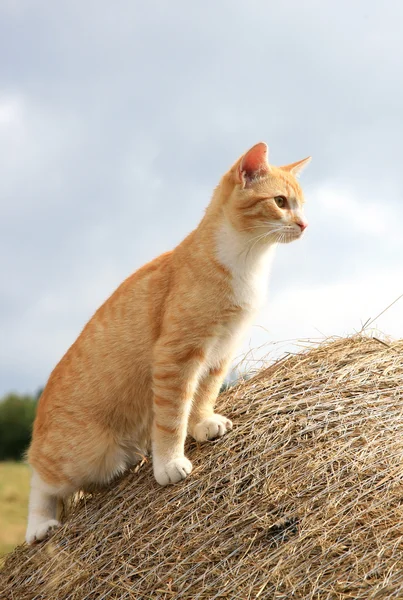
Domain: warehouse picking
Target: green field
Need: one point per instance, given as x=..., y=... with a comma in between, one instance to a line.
x=14, y=488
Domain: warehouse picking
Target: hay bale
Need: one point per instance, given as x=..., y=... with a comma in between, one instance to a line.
x=304, y=499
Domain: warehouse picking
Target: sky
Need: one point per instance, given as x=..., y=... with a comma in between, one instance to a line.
x=117, y=120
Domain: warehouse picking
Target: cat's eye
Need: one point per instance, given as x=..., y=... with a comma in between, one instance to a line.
x=281, y=201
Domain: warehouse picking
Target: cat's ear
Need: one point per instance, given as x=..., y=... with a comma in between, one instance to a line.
x=253, y=164
x=297, y=167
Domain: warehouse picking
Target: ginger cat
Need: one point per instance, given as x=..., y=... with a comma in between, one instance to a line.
x=147, y=368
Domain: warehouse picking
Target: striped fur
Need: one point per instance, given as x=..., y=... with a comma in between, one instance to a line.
x=147, y=367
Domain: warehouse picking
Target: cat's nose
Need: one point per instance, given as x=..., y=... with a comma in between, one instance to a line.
x=302, y=224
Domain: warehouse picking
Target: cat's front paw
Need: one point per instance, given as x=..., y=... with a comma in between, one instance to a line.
x=172, y=471
x=211, y=428
x=40, y=531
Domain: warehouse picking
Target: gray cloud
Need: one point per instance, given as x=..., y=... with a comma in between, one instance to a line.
x=116, y=121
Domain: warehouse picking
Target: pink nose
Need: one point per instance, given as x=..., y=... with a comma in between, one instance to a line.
x=302, y=224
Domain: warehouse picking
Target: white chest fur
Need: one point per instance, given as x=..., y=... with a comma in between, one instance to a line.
x=249, y=263
x=224, y=346
x=250, y=270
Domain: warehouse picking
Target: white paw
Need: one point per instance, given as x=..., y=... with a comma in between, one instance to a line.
x=40, y=531
x=172, y=471
x=211, y=427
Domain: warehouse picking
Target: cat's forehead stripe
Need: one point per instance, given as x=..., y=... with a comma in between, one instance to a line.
x=291, y=186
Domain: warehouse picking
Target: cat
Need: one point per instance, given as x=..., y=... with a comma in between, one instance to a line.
x=147, y=368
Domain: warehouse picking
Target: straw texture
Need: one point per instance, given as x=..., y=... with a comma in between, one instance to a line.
x=303, y=499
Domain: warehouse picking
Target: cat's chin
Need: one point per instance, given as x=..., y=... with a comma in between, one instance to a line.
x=290, y=238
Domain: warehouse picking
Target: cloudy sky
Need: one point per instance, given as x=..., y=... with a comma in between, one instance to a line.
x=118, y=118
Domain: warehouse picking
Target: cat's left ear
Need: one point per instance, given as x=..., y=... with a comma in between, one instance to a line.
x=297, y=167
x=253, y=164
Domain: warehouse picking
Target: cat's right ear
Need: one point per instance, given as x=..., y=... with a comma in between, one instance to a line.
x=253, y=164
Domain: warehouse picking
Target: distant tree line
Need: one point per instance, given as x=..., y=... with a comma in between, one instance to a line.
x=17, y=414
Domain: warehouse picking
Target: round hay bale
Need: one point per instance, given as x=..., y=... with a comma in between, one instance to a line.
x=303, y=499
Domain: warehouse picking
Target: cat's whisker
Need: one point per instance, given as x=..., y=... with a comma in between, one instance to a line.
x=256, y=240
x=261, y=225
x=267, y=226
x=264, y=235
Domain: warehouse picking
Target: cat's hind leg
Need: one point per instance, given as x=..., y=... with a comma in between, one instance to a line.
x=42, y=509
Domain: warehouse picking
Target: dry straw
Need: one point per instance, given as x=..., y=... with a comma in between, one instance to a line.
x=303, y=499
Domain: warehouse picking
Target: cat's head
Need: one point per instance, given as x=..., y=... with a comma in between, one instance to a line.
x=265, y=200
